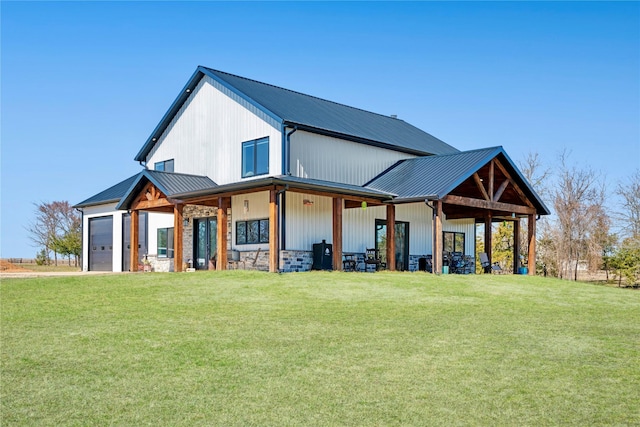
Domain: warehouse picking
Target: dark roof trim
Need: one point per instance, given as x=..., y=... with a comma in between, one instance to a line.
x=299, y=183
x=182, y=98
x=154, y=177
x=112, y=194
x=338, y=135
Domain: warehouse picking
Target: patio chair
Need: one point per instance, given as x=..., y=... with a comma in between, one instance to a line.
x=348, y=262
x=372, y=257
x=484, y=262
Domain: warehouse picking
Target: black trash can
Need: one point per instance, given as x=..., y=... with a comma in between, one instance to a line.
x=322, y=256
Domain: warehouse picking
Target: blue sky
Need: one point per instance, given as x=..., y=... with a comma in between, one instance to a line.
x=85, y=83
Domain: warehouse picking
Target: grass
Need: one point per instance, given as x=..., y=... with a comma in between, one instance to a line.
x=251, y=348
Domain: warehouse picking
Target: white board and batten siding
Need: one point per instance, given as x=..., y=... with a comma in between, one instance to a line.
x=206, y=135
x=331, y=159
x=257, y=208
x=312, y=222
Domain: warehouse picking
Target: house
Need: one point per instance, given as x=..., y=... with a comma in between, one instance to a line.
x=241, y=167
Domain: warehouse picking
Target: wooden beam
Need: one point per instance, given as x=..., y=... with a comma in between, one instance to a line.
x=438, y=246
x=213, y=199
x=516, y=188
x=501, y=189
x=531, y=262
x=337, y=233
x=151, y=204
x=221, y=251
x=483, y=204
x=391, y=237
x=177, y=238
x=135, y=234
x=274, y=246
x=480, y=185
x=516, y=246
x=353, y=204
x=491, y=179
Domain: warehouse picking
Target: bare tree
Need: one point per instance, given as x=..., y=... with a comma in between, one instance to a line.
x=629, y=192
x=537, y=175
x=578, y=201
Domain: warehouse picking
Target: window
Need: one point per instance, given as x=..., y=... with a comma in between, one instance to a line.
x=251, y=232
x=166, y=166
x=453, y=242
x=255, y=157
x=165, y=242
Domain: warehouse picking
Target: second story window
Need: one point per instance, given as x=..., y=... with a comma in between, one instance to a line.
x=166, y=166
x=255, y=157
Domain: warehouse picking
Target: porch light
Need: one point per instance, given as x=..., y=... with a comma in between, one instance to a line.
x=185, y=222
x=307, y=202
x=246, y=206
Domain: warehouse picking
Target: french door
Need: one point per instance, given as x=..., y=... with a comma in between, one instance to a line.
x=205, y=242
x=401, y=240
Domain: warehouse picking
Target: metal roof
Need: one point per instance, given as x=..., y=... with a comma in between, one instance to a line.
x=110, y=195
x=311, y=114
x=169, y=183
x=294, y=182
x=433, y=177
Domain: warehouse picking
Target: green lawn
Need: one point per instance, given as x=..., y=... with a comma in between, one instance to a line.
x=251, y=348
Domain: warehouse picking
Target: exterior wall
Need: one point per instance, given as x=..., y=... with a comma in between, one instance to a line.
x=331, y=159
x=307, y=224
x=155, y=221
x=258, y=208
x=206, y=136
x=101, y=211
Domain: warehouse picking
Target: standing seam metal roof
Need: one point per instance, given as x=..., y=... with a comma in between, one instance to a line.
x=316, y=114
x=436, y=176
x=302, y=109
x=110, y=195
x=170, y=183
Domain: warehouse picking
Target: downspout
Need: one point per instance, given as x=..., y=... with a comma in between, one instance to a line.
x=287, y=165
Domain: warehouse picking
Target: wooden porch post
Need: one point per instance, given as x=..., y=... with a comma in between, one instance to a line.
x=438, y=247
x=135, y=233
x=274, y=236
x=488, y=237
x=531, y=262
x=221, y=252
x=337, y=233
x=177, y=237
x=516, y=246
x=391, y=237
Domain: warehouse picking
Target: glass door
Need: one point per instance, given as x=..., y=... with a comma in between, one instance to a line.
x=205, y=242
x=401, y=241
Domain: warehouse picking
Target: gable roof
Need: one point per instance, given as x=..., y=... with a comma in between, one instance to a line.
x=311, y=114
x=433, y=177
x=169, y=183
x=110, y=195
